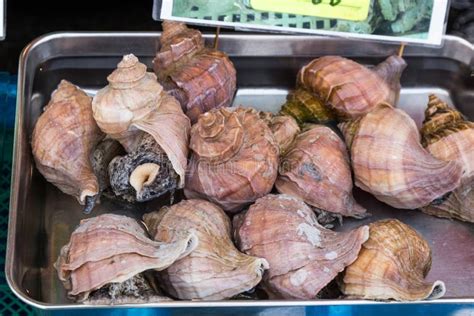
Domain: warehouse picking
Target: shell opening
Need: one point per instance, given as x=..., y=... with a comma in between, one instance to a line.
x=438, y=290
x=90, y=203
x=261, y=266
x=144, y=175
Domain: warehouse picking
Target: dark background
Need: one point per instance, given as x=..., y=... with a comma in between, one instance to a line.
x=27, y=20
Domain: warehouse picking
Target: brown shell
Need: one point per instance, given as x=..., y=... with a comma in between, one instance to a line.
x=215, y=269
x=303, y=256
x=449, y=136
x=200, y=78
x=392, y=265
x=349, y=88
x=112, y=249
x=389, y=161
x=133, y=103
x=234, y=158
x=316, y=169
x=63, y=140
x=305, y=106
x=284, y=129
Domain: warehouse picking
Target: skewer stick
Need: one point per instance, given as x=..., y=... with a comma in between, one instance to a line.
x=400, y=51
x=216, y=38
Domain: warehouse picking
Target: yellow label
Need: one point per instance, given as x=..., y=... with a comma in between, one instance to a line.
x=355, y=10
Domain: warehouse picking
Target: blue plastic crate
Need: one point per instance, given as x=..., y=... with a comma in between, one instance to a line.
x=9, y=303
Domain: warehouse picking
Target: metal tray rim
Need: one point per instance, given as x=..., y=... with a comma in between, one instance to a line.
x=15, y=186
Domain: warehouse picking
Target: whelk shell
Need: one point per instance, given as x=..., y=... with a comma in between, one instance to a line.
x=215, y=269
x=234, y=158
x=112, y=249
x=303, y=256
x=340, y=85
x=200, y=78
x=392, y=265
x=448, y=136
x=316, y=169
x=389, y=161
x=63, y=140
x=134, y=104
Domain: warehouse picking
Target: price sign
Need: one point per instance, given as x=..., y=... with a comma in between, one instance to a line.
x=354, y=10
x=407, y=21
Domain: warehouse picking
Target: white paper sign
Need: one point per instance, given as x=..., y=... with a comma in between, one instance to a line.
x=409, y=21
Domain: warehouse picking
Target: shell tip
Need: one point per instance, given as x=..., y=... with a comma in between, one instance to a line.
x=128, y=61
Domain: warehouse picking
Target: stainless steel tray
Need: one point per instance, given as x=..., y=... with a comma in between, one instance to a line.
x=42, y=218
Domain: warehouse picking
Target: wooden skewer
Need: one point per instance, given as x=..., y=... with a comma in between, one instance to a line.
x=216, y=38
x=400, y=51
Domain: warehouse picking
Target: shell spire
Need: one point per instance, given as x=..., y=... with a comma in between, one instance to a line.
x=234, y=158
x=441, y=121
x=129, y=72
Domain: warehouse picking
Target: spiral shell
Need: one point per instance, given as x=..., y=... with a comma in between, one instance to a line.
x=134, y=103
x=448, y=136
x=392, y=265
x=63, y=140
x=234, y=158
x=316, y=169
x=112, y=249
x=284, y=129
x=200, y=78
x=303, y=256
x=348, y=88
x=389, y=161
x=215, y=269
